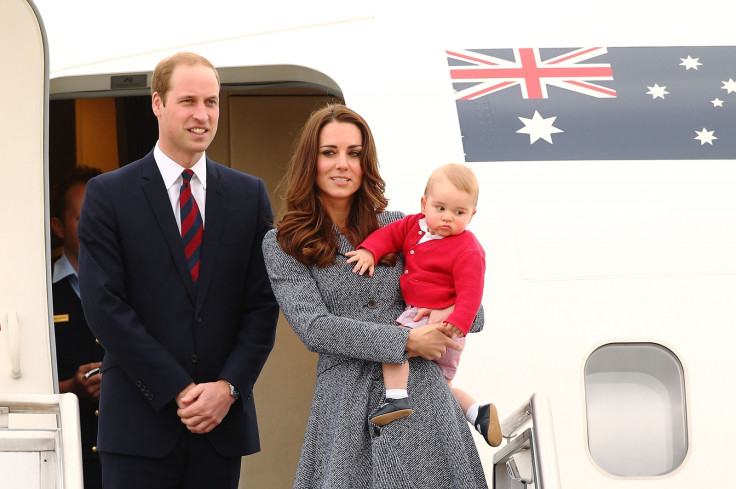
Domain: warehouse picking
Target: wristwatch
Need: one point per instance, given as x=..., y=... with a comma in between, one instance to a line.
x=233, y=391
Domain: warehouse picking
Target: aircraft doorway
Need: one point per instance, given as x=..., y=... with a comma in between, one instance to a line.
x=257, y=127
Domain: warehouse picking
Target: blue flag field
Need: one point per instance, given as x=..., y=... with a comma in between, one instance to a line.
x=630, y=103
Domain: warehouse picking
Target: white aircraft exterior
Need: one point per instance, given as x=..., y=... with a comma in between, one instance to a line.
x=609, y=282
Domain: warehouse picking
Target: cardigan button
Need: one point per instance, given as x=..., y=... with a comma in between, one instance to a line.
x=372, y=304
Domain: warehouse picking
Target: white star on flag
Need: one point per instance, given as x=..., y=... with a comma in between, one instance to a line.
x=690, y=62
x=539, y=128
x=657, y=91
x=717, y=102
x=705, y=136
x=729, y=86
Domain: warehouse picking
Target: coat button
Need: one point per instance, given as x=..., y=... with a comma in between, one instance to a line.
x=194, y=359
x=406, y=271
x=97, y=412
x=372, y=304
x=97, y=342
x=411, y=252
x=94, y=449
x=198, y=319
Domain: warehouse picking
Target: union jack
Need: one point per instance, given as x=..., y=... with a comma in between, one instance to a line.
x=491, y=74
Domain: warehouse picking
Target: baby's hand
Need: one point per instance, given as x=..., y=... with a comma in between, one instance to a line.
x=454, y=330
x=363, y=260
x=435, y=315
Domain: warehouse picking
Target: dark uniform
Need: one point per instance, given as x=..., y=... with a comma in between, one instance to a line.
x=75, y=346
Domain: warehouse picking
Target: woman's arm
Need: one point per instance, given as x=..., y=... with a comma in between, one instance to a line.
x=321, y=331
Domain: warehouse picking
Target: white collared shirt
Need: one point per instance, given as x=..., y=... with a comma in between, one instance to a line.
x=171, y=172
x=62, y=269
x=427, y=236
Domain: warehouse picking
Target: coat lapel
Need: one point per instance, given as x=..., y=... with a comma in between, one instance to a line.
x=154, y=190
x=213, y=226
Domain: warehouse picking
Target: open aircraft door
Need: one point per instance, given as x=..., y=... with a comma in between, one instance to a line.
x=34, y=450
x=25, y=344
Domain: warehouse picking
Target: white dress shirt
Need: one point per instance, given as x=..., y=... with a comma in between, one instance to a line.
x=171, y=172
x=63, y=268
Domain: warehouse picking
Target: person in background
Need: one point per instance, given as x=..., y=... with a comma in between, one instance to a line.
x=174, y=286
x=78, y=353
x=334, y=199
x=445, y=266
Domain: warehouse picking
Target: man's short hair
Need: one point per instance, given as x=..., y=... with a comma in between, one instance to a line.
x=161, y=79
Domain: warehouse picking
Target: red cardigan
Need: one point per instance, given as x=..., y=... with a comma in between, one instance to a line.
x=439, y=272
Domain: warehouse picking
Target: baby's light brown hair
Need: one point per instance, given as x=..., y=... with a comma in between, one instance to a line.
x=460, y=176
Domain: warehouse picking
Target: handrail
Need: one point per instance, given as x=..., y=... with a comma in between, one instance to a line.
x=66, y=407
x=14, y=343
x=540, y=438
x=546, y=469
x=515, y=420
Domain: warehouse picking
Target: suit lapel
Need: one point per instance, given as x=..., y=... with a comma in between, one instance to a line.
x=155, y=191
x=213, y=226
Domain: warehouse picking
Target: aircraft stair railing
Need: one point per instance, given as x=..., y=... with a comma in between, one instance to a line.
x=34, y=455
x=529, y=458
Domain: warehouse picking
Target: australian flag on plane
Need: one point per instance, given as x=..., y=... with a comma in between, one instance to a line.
x=632, y=103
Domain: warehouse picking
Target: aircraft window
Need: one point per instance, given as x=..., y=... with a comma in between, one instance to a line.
x=635, y=403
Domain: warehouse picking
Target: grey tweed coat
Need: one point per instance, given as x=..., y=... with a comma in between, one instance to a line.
x=349, y=320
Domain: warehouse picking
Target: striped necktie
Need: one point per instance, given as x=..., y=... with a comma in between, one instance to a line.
x=191, y=225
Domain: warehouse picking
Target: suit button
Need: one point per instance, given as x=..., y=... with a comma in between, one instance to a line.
x=97, y=342
x=139, y=384
x=198, y=319
x=372, y=304
x=94, y=449
x=194, y=359
x=97, y=412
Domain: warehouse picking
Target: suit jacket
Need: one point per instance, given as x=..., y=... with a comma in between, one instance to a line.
x=159, y=334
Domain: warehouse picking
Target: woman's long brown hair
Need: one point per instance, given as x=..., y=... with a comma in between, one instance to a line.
x=305, y=231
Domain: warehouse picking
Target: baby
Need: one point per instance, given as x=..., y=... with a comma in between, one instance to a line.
x=445, y=266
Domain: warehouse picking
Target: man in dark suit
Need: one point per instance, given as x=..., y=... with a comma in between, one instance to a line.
x=186, y=324
x=78, y=354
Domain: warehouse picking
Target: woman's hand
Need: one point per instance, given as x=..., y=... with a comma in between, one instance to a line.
x=430, y=342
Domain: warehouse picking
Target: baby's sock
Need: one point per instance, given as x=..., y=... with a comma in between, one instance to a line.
x=400, y=394
x=472, y=413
